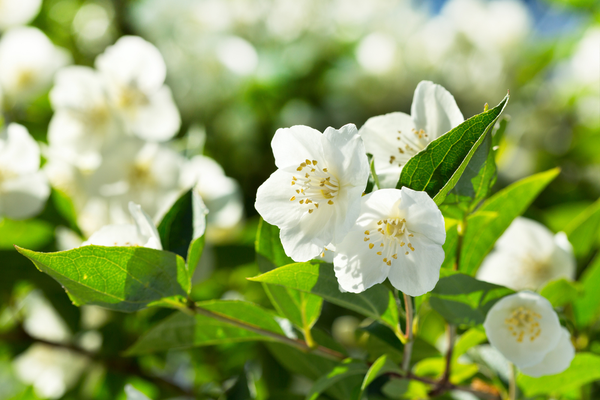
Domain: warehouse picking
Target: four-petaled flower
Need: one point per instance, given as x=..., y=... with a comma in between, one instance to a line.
x=398, y=235
x=314, y=196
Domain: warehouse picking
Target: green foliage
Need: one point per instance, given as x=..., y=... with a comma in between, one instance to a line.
x=438, y=168
x=463, y=300
x=182, y=331
x=301, y=308
x=382, y=365
x=31, y=233
x=584, y=368
x=561, y=292
x=346, y=370
x=587, y=307
x=584, y=231
x=319, y=279
x=484, y=228
x=119, y=278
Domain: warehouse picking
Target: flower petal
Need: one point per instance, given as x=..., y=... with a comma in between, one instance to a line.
x=292, y=146
x=434, y=109
x=347, y=151
x=423, y=215
x=273, y=200
x=24, y=196
x=19, y=153
x=159, y=119
x=145, y=226
x=556, y=360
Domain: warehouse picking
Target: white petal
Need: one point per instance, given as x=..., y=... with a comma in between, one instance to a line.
x=423, y=215
x=305, y=239
x=291, y=146
x=505, y=268
x=77, y=87
x=346, y=152
x=346, y=211
x=417, y=272
x=133, y=61
x=555, y=361
x=19, y=153
x=380, y=135
x=116, y=235
x=18, y=12
x=273, y=200
x=24, y=196
x=145, y=226
x=357, y=267
x=527, y=352
x=133, y=394
x=158, y=120
x=434, y=109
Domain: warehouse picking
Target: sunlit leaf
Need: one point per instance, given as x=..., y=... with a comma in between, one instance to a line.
x=30, y=233
x=587, y=306
x=584, y=231
x=347, y=369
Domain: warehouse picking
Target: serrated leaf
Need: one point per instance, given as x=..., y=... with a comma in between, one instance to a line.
x=482, y=232
x=30, y=233
x=319, y=279
x=584, y=368
x=119, y=278
x=438, y=167
x=587, y=306
x=182, y=331
x=463, y=300
x=346, y=369
x=584, y=231
x=301, y=308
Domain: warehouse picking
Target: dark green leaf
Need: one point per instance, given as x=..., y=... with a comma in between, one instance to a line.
x=483, y=231
x=346, y=369
x=463, y=300
x=319, y=279
x=587, y=307
x=119, y=278
x=381, y=366
x=584, y=368
x=30, y=233
x=583, y=232
x=438, y=168
x=182, y=331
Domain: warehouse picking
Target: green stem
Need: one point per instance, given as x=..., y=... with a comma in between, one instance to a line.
x=409, y=333
x=512, y=384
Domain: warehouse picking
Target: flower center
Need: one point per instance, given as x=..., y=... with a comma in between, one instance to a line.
x=25, y=79
x=524, y=322
x=387, y=236
x=316, y=186
x=409, y=145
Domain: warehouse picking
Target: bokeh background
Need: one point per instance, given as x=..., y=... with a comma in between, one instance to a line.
x=241, y=69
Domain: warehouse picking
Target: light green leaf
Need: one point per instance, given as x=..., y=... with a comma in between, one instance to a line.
x=347, y=369
x=482, y=231
x=584, y=368
x=30, y=233
x=119, y=278
x=65, y=207
x=561, y=292
x=467, y=340
x=587, y=306
x=381, y=366
x=319, y=279
x=301, y=308
x=583, y=232
x=182, y=331
x=463, y=300
x=451, y=244
x=435, y=367
x=438, y=167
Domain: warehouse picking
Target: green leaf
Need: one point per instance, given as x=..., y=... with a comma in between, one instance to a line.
x=31, y=233
x=319, y=279
x=467, y=340
x=381, y=366
x=119, y=278
x=435, y=367
x=438, y=167
x=587, y=306
x=347, y=369
x=451, y=244
x=301, y=308
x=182, y=331
x=65, y=207
x=463, y=300
x=482, y=231
x=561, y=292
x=181, y=230
x=584, y=368
x=583, y=232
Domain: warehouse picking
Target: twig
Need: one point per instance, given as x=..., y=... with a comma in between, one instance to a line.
x=409, y=333
x=444, y=383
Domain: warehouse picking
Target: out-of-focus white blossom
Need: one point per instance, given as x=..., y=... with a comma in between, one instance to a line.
x=527, y=256
x=134, y=394
x=135, y=72
x=394, y=138
x=28, y=61
x=40, y=319
x=141, y=233
x=314, y=196
x=24, y=188
x=18, y=12
x=398, y=235
x=376, y=52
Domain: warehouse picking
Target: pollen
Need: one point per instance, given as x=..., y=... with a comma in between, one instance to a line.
x=330, y=202
x=524, y=323
x=293, y=198
x=371, y=245
x=410, y=246
x=366, y=239
x=378, y=253
x=324, y=169
x=311, y=210
x=367, y=233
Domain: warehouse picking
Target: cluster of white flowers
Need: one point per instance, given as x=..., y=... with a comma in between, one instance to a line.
x=526, y=330
x=316, y=197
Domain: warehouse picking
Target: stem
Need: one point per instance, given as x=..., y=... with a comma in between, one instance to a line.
x=460, y=229
x=444, y=383
x=512, y=384
x=399, y=333
x=409, y=333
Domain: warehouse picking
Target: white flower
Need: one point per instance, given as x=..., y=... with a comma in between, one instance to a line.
x=523, y=327
x=394, y=138
x=314, y=196
x=221, y=194
x=28, y=60
x=18, y=12
x=141, y=233
x=135, y=73
x=24, y=188
x=398, y=235
x=556, y=360
x=527, y=256
x=134, y=394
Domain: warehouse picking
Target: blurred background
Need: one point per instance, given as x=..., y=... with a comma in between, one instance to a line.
x=239, y=70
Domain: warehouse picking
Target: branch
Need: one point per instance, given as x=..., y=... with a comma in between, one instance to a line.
x=409, y=333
